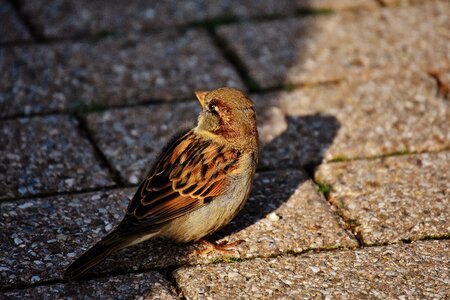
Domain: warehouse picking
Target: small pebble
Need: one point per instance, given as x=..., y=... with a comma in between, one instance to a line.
x=61, y=237
x=18, y=241
x=69, y=182
x=133, y=179
x=26, y=205
x=233, y=275
x=22, y=190
x=390, y=273
x=273, y=217
x=35, y=279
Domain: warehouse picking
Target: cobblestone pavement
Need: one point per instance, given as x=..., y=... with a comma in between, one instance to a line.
x=352, y=193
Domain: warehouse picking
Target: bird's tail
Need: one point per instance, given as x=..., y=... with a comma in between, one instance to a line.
x=94, y=256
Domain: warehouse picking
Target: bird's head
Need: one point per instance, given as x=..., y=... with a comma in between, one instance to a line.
x=230, y=114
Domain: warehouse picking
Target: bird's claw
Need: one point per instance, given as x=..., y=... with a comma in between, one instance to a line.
x=223, y=247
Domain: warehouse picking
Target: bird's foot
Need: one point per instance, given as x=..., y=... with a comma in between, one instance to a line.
x=223, y=247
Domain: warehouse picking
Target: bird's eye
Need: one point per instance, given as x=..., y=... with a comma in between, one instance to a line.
x=212, y=107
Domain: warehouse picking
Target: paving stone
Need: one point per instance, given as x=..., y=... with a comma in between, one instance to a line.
x=344, y=45
x=12, y=29
x=392, y=199
x=149, y=285
x=415, y=271
x=44, y=155
x=166, y=66
x=62, y=18
x=40, y=237
x=131, y=138
x=352, y=119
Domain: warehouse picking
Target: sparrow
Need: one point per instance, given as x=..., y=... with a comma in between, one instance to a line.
x=198, y=184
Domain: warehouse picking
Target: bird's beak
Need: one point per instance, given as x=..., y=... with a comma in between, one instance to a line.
x=201, y=95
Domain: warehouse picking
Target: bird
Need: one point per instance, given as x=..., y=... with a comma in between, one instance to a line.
x=197, y=185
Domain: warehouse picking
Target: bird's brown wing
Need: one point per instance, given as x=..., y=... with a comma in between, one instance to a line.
x=190, y=174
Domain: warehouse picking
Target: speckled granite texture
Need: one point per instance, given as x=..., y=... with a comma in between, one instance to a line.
x=114, y=71
x=47, y=154
x=328, y=48
x=400, y=271
x=358, y=118
x=392, y=199
x=131, y=138
x=12, y=28
x=351, y=195
x=284, y=214
x=150, y=285
x=64, y=18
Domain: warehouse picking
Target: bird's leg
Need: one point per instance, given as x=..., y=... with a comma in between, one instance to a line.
x=223, y=247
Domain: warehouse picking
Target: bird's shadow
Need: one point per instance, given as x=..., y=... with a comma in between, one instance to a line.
x=301, y=146
x=312, y=132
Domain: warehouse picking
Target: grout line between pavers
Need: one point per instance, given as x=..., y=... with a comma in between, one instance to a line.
x=236, y=64
x=435, y=237
x=25, y=286
x=116, y=186
x=233, y=59
x=207, y=22
x=150, y=102
x=32, y=115
x=167, y=271
x=387, y=155
x=168, y=275
x=82, y=110
x=86, y=133
x=347, y=225
x=65, y=193
x=35, y=36
x=125, y=184
x=101, y=35
x=325, y=193
x=164, y=270
x=258, y=170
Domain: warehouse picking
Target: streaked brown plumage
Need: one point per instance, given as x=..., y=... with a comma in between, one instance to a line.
x=199, y=183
